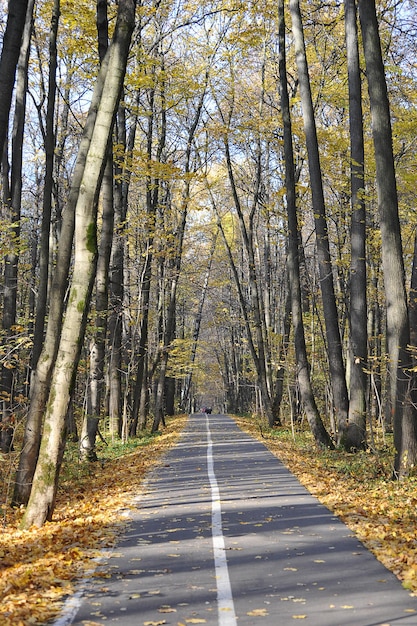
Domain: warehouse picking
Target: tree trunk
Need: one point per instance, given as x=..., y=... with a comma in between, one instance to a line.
x=318, y=430
x=12, y=40
x=358, y=304
x=50, y=145
x=42, y=499
x=152, y=199
x=12, y=200
x=248, y=241
x=398, y=331
x=185, y=395
x=170, y=322
x=412, y=306
x=334, y=344
x=98, y=344
x=42, y=375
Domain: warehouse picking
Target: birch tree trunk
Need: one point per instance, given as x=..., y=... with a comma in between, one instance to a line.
x=42, y=499
x=398, y=331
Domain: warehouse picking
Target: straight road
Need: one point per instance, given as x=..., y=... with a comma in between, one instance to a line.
x=225, y=535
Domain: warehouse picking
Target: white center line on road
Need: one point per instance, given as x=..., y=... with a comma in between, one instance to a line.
x=225, y=604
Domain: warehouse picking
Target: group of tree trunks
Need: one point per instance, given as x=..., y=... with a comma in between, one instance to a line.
x=131, y=284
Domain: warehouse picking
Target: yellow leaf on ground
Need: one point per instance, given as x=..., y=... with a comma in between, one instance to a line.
x=258, y=613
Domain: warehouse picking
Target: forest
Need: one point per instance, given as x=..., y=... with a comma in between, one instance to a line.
x=205, y=204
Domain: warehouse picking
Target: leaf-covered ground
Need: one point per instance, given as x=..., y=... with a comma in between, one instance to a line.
x=357, y=488
x=40, y=567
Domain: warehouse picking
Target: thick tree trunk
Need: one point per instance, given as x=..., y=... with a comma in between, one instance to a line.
x=98, y=344
x=318, y=430
x=398, y=331
x=334, y=344
x=42, y=499
x=358, y=304
x=42, y=375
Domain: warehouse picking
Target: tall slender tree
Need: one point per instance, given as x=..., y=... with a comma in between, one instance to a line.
x=41, y=377
x=358, y=299
x=12, y=193
x=98, y=341
x=318, y=430
x=334, y=343
x=42, y=499
x=402, y=379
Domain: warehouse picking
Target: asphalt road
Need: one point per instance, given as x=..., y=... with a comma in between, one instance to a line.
x=224, y=535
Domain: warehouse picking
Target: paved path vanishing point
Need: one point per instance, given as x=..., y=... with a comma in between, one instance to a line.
x=225, y=535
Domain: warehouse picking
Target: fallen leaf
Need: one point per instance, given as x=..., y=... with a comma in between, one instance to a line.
x=258, y=613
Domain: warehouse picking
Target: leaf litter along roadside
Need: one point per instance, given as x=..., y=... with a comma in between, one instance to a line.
x=358, y=489
x=39, y=567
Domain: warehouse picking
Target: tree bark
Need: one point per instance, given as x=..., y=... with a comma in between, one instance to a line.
x=334, y=344
x=398, y=331
x=358, y=300
x=50, y=145
x=42, y=375
x=185, y=395
x=321, y=436
x=98, y=343
x=42, y=499
x=12, y=40
x=152, y=199
x=12, y=200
